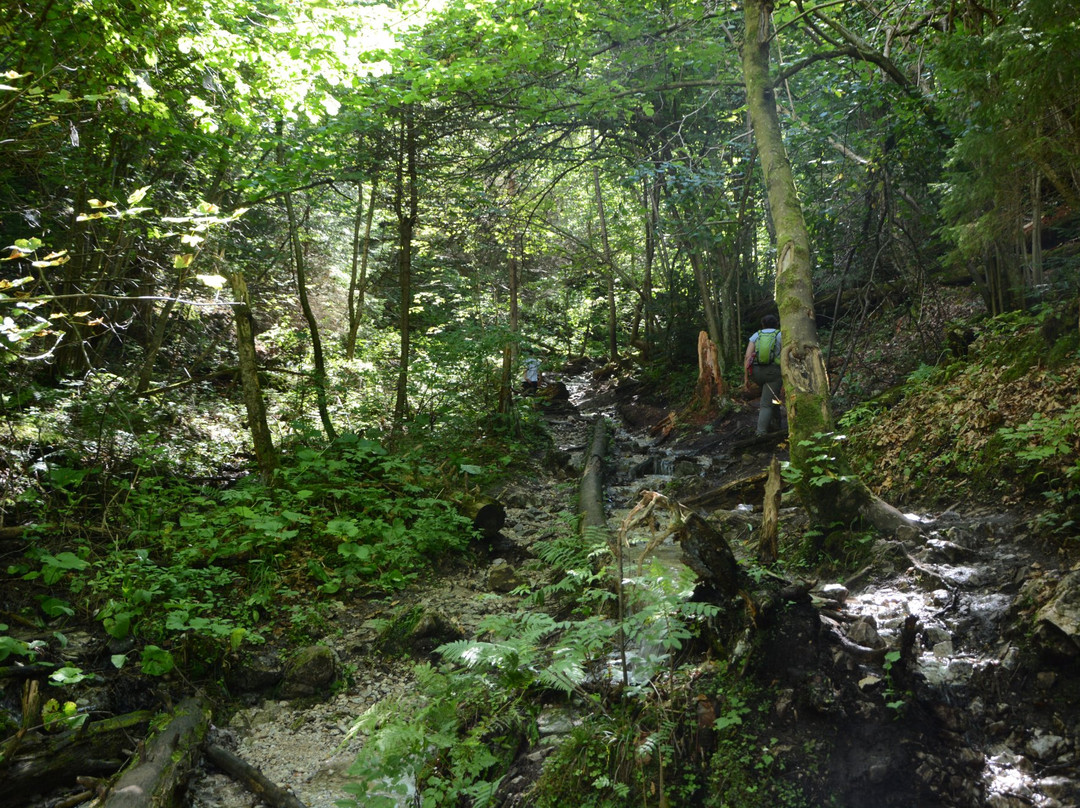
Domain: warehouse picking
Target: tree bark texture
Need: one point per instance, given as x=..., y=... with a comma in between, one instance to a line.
x=710, y=383
x=44, y=761
x=591, y=491
x=609, y=260
x=358, y=276
x=263, y=441
x=158, y=779
x=768, y=541
x=251, y=778
x=300, y=265
x=843, y=497
x=805, y=379
x=405, y=203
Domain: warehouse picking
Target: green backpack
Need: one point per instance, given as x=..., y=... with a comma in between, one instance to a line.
x=767, y=347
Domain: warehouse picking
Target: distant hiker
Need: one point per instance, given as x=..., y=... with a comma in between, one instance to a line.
x=762, y=362
x=533, y=376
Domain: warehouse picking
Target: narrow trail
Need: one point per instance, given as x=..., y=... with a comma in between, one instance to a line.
x=988, y=713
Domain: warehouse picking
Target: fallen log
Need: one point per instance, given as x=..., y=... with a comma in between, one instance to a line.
x=159, y=776
x=251, y=778
x=591, y=490
x=727, y=496
x=46, y=761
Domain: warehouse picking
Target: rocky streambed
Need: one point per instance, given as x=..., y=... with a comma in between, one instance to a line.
x=944, y=673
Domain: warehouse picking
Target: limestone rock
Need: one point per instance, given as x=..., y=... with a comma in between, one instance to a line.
x=311, y=670
x=1059, y=620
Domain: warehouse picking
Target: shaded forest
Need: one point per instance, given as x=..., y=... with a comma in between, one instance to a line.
x=272, y=270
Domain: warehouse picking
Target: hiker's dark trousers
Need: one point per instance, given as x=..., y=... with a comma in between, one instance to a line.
x=768, y=376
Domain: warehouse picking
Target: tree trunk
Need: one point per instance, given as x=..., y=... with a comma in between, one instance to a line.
x=358, y=285
x=768, y=541
x=251, y=778
x=506, y=380
x=405, y=204
x=826, y=487
x=159, y=778
x=157, y=338
x=591, y=491
x=609, y=260
x=265, y=453
x=300, y=266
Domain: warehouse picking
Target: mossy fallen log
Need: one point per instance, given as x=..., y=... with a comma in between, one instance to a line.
x=44, y=761
x=158, y=778
x=591, y=490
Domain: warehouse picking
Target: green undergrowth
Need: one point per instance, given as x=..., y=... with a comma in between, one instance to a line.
x=180, y=572
x=1000, y=423
x=676, y=730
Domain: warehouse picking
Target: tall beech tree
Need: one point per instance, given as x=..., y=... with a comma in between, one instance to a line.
x=826, y=485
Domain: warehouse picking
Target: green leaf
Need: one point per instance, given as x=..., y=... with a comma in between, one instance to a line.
x=213, y=281
x=156, y=661
x=135, y=197
x=68, y=675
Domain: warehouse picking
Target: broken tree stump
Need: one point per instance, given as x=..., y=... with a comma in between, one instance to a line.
x=158, y=777
x=768, y=544
x=488, y=515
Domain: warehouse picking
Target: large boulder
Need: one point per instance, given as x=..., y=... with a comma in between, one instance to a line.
x=311, y=671
x=1058, y=622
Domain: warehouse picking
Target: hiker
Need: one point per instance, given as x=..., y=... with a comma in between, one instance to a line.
x=762, y=362
x=533, y=377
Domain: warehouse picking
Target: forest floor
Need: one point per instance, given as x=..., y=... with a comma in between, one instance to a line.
x=986, y=710
x=932, y=668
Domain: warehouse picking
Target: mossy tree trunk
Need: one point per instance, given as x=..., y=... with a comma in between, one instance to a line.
x=826, y=487
x=263, y=442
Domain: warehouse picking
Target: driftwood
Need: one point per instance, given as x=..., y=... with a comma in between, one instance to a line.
x=44, y=761
x=727, y=496
x=158, y=778
x=768, y=543
x=591, y=490
x=704, y=549
x=251, y=778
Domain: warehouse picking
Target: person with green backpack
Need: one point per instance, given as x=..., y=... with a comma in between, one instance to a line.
x=762, y=363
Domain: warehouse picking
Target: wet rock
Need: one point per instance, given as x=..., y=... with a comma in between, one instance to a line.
x=80, y=645
x=418, y=630
x=501, y=577
x=554, y=723
x=255, y=673
x=685, y=468
x=312, y=670
x=864, y=632
x=838, y=593
x=1062, y=789
x=1045, y=747
x=944, y=550
x=1059, y=620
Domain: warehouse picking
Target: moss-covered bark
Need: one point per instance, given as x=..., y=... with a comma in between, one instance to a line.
x=806, y=383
